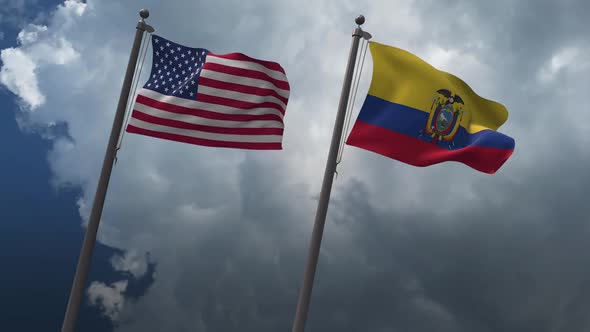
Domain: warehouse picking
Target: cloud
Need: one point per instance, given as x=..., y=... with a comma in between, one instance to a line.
x=18, y=75
x=405, y=249
x=30, y=34
x=570, y=58
x=38, y=47
x=130, y=262
x=108, y=298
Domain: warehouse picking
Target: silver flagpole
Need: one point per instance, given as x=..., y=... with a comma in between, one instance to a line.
x=322, y=210
x=85, y=258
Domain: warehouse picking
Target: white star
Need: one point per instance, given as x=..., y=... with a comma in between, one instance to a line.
x=156, y=40
x=166, y=55
x=165, y=67
x=167, y=44
x=157, y=86
x=179, y=65
x=183, y=72
x=179, y=82
x=185, y=62
x=193, y=59
x=161, y=76
x=162, y=60
x=170, y=79
x=170, y=62
x=149, y=84
x=166, y=89
x=174, y=69
x=156, y=65
x=192, y=94
x=193, y=82
x=168, y=73
x=161, y=48
x=175, y=58
x=177, y=76
x=174, y=86
x=155, y=81
x=182, y=55
x=171, y=51
x=178, y=48
x=157, y=53
x=154, y=76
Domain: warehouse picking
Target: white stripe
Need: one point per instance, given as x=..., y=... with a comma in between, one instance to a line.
x=207, y=90
x=206, y=106
x=277, y=75
x=204, y=121
x=244, y=81
x=206, y=135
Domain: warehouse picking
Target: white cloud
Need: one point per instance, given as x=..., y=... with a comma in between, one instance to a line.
x=30, y=34
x=109, y=299
x=131, y=262
x=18, y=75
x=558, y=61
x=39, y=48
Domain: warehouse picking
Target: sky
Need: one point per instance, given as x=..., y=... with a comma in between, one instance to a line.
x=202, y=239
x=40, y=233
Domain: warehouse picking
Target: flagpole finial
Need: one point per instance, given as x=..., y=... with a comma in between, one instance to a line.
x=144, y=13
x=360, y=20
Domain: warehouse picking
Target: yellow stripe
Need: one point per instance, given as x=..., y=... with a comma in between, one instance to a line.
x=403, y=78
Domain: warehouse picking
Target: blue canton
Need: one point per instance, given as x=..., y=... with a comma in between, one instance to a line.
x=175, y=68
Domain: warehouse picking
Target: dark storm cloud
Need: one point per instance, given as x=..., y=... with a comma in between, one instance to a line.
x=242, y=275
x=513, y=266
x=515, y=38
x=405, y=249
x=506, y=259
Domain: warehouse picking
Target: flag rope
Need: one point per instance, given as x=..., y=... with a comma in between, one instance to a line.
x=324, y=199
x=143, y=52
x=356, y=81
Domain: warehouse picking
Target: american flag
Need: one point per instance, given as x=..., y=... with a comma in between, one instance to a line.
x=219, y=100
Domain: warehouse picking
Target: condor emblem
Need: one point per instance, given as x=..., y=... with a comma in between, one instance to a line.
x=445, y=117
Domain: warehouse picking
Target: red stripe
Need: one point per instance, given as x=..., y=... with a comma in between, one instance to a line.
x=245, y=73
x=191, y=126
x=243, y=57
x=419, y=153
x=241, y=88
x=237, y=103
x=204, y=113
x=204, y=142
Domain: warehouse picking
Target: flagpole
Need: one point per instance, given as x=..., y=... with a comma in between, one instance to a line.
x=322, y=209
x=85, y=258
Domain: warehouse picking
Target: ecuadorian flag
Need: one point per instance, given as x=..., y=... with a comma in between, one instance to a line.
x=421, y=116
